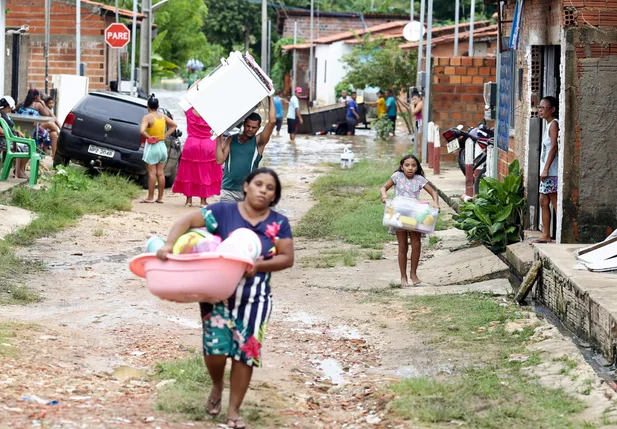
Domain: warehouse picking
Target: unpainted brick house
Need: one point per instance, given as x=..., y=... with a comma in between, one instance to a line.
x=567, y=49
x=99, y=59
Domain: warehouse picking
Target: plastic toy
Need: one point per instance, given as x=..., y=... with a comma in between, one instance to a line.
x=242, y=241
x=153, y=244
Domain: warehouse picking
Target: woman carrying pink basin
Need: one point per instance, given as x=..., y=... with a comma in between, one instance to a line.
x=236, y=327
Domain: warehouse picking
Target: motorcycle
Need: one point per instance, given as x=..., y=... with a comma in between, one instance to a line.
x=482, y=137
x=456, y=139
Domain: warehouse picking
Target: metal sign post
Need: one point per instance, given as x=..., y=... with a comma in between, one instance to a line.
x=264, y=35
x=295, y=58
x=118, y=56
x=133, y=43
x=419, y=64
x=456, y=19
x=77, y=37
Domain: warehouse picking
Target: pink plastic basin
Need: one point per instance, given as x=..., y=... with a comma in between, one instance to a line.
x=203, y=277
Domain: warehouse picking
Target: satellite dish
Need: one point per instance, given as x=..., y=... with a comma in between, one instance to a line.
x=413, y=31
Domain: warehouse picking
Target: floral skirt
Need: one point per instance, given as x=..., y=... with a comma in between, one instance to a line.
x=548, y=185
x=223, y=334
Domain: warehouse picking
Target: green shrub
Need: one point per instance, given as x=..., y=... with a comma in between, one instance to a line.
x=383, y=127
x=494, y=218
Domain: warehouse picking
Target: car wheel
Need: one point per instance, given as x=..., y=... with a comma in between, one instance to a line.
x=61, y=160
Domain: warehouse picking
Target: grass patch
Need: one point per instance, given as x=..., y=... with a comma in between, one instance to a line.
x=349, y=206
x=374, y=255
x=68, y=195
x=331, y=258
x=444, y=221
x=65, y=197
x=12, y=270
x=187, y=396
x=6, y=333
x=433, y=242
x=491, y=392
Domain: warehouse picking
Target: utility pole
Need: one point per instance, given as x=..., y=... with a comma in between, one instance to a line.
x=311, y=60
x=133, y=44
x=471, y=22
x=78, y=37
x=264, y=35
x=2, y=42
x=118, y=55
x=269, y=46
x=295, y=58
x=456, y=19
x=145, y=45
x=419, y=67
x=426, y=106
x=46, y=47
x=411, y=11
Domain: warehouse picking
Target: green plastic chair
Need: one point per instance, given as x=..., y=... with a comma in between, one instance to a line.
x=32, y=154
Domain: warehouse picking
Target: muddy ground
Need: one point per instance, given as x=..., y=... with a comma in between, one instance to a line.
x=328, y=357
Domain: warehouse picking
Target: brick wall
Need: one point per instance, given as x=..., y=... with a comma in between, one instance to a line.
x=326, y=26
x=457, y=93
x=100, y=63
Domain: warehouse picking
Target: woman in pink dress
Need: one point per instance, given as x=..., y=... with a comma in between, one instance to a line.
x=198, y=173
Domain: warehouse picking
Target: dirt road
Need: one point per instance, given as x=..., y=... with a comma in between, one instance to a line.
x=327, y=354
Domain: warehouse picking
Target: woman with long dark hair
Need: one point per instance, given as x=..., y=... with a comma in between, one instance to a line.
x=34, y=106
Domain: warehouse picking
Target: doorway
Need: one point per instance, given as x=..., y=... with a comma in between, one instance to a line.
x=545, y=81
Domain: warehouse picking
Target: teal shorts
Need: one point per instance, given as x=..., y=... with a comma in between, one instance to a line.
x=155, y=153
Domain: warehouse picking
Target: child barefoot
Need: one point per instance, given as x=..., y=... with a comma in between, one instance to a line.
x=408, y=181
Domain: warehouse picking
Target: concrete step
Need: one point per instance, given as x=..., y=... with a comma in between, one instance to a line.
x=520, y=256
x=495, y=287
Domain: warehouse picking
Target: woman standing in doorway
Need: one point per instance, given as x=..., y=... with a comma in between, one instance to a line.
x=155, y=150
x=198, y=173
x=548, y=110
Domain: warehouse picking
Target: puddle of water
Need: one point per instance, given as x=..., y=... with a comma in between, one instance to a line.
x=188, y=323
x=332, y=369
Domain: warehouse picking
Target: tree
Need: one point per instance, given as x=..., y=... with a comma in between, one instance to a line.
x=233, y=24
x=183, y=20
x=381, y=64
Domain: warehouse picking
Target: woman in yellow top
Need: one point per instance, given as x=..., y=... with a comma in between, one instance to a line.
x=153, y=127
x=380, y=103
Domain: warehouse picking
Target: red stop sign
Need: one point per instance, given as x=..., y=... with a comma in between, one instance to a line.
x=117, y=35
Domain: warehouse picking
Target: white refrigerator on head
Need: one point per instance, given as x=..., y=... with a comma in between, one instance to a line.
x=69, y=89
x=229, y=93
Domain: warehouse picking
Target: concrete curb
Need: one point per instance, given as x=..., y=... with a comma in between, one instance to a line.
x=454, y=204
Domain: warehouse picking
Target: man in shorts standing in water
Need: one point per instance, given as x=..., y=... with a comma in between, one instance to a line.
x=241, y=154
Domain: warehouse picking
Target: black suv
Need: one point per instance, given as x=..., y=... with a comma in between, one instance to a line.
x=102, y=131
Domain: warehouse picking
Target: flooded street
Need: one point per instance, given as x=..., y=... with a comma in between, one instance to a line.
x=307, y=149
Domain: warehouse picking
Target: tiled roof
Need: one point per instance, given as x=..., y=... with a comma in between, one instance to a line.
x=122, y=12
x=349, y=34
x=490, y=31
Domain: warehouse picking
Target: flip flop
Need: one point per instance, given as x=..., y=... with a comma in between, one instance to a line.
x=237, y=423
x=147, y=201
x=213, y=408
x=159, y=201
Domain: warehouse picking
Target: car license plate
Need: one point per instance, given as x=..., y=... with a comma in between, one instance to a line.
x=453, y=146
x=101, y=151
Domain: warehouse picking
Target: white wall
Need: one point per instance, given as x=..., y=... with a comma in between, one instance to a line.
x=330, y=70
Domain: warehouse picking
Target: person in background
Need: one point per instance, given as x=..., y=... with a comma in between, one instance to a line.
x=391, y=109
x=415, y=109
x=278, y=106
x=7, y=104
x=380, y=104
x=33, y=106
x=352, y=117
x=198, y=173
x=293, y=114
x=235, y=329
x=549, y=169
x=241, y=154
x=155, y=151
x=344, y=97
x=51, y=104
